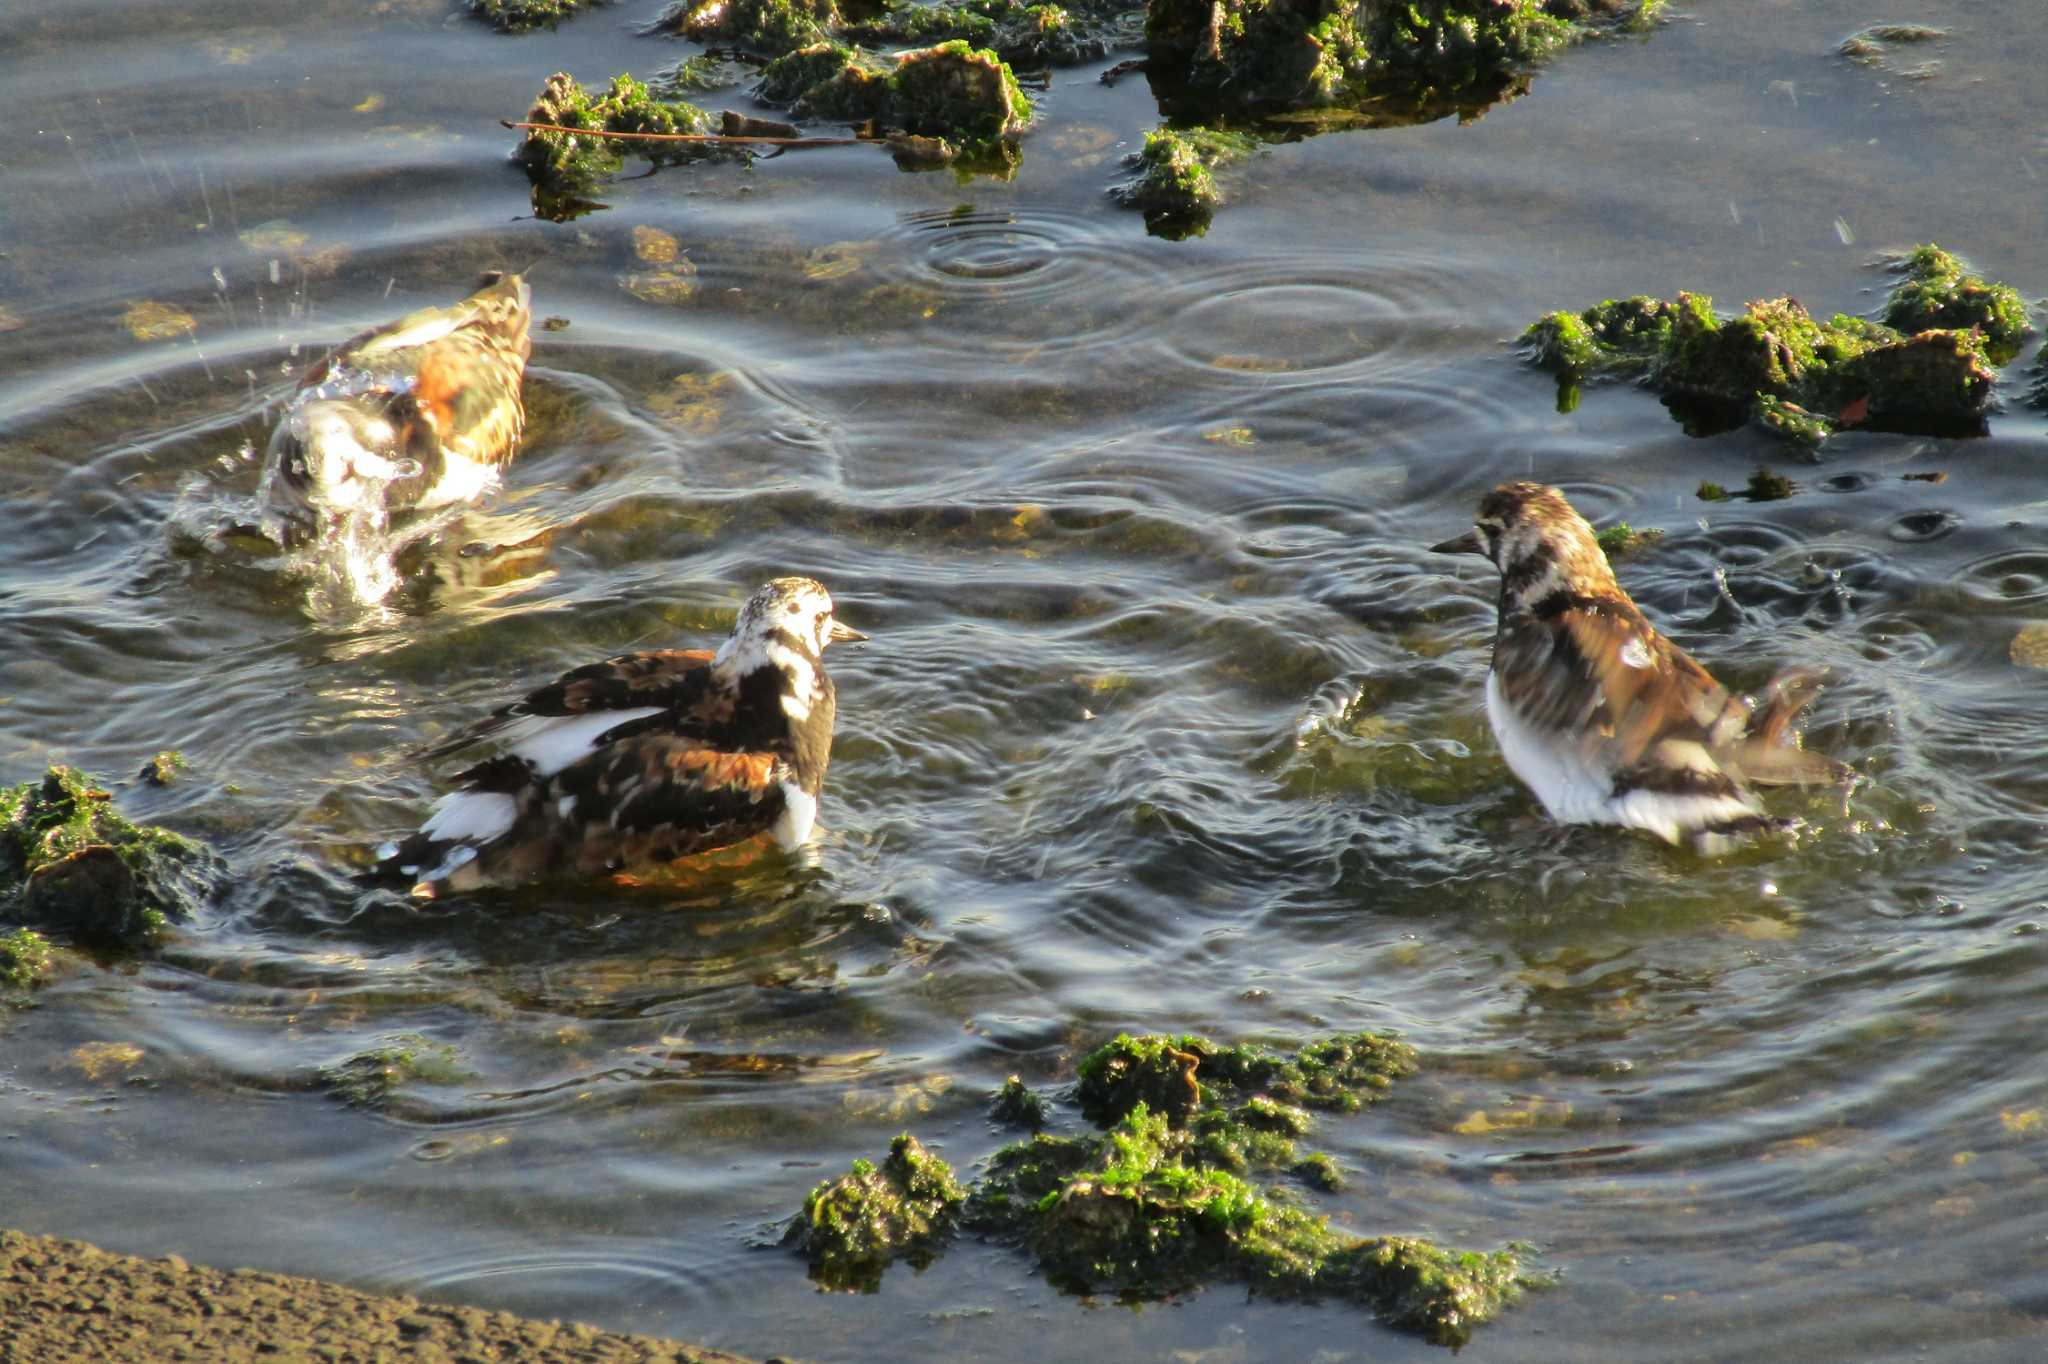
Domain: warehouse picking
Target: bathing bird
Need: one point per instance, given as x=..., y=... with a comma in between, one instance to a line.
x=420, y=413
x=642, y=758
x=1602, y=717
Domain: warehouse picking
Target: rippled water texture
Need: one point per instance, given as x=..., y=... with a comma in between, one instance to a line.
x=1168, y=722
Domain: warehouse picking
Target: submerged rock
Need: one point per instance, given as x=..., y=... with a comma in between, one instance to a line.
x=372, y=1078
x=70, y=864
x=1928, y=367
x=854, y=1227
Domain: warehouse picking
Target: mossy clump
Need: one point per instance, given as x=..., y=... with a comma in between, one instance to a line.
x=1021, y=33
x=1173, y=181
x=1936, y=290
x=163, y=769
x=564, y=162
x=761, y=25
x=1763, y=486
x=953, y=93
x=1179, y=1076
x=853, y=1227
x=1928, y=367
x=522, y=16
x=1164, y=1198
x=1016, y=1105
x=370, y=1079
x=1267, y=53
x=25, y=957
x=70, y=864
x=1621, y=539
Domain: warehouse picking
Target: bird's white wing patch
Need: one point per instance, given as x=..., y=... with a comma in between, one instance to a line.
x=1558, y=774
x=552, y=742
x=799, y=814
x=471, y=816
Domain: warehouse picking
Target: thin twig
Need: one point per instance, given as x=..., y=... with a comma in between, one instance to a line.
x=690, y=137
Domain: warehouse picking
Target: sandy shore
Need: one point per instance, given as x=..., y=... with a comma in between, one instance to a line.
x=65, y=1300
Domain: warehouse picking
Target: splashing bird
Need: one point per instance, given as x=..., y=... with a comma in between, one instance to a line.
x=643, y=758
x=420, y=413
x=1604, y=719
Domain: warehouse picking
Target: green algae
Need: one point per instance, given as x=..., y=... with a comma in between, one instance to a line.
x=71, y=864
x=852, y=1228
x=25, y=960
x=1163, y=1199
x=522, y=16
x=1021, y=33
x=962, y=95
x=372, y=1079
x=1763, y=486
x=759, y=25
x=163, y=769
x=563, y=163
x=1342, y=1073
x=1270, y=52
x=1938, y=291
x=1928, y=367
x=1622, y=539
x=1016, y=1105
x=1173, y=180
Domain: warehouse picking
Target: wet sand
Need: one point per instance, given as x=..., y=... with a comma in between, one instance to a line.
x=66, y=1300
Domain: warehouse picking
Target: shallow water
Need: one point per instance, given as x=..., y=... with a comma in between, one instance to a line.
x=1169, y=721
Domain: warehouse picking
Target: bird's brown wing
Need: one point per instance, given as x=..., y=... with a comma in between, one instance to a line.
x=657, y=797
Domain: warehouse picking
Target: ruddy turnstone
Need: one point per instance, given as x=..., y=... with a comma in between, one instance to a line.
x=1607, y=721
x=643, y=758
x=419, y=413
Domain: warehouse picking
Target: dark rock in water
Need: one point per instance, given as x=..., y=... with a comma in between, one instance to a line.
x=71, y=865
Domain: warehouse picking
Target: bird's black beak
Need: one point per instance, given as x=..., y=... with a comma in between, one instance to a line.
x=842, y=633
x=1471, y=542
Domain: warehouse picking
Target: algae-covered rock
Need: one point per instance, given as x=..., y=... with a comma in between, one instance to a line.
x=1173, y=181
x=1021, y=33
x=25, y=957
x=1309, y=52
x=964, y=96
x=1177, y=1076
x=1163, y=1198
x=563, y=161
x=1015, y=1105
x=853, y=1227
x=520, y=16
x=1938, y=291
x=763, y=25
x=1622, y=539
x=1928, y=367
x=70, y=864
